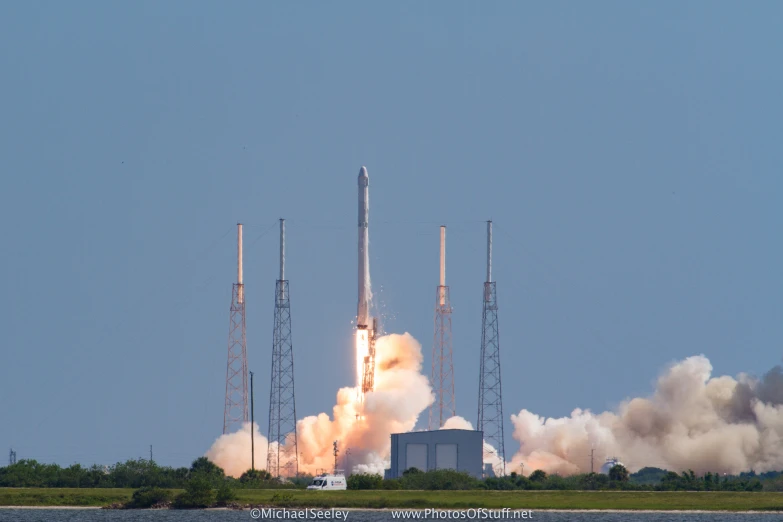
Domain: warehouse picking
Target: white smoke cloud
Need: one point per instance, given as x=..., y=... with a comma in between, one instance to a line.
x=457, y=423
x=692, y=421
x=490, y=452
x=232, y=451
x=401, y=394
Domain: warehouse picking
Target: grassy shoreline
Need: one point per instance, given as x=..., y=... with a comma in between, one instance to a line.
x=532, y=500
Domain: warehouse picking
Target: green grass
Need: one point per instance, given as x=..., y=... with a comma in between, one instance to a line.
x=631, y=500
x=85, y=497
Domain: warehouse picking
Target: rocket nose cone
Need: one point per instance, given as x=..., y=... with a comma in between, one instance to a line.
x=363, y=172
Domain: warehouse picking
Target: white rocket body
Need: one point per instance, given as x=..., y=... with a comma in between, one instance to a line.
x=365, y=293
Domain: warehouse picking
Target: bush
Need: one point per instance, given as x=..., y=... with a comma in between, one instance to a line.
x=198, y=493
x=502, y=483
x=392, y=484
x=225, y=494
x=618, y=473
x=364, y=481
x=555, y=482
x=438, y=480
x=538, y=476
x=302, y=481
x=146, y=497
x=255, y=475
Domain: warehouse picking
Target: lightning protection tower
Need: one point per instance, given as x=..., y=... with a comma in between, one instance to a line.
x=442, y=364
x=490, y=402
x=235, y=412
x=282, y=454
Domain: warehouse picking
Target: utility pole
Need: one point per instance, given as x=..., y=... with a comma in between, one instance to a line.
x=335, y=456
x=347, y=462
x=592, y=451
x=252, y=427
x=150, y=453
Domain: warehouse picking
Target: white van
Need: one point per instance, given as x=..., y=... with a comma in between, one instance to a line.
x=328, y=482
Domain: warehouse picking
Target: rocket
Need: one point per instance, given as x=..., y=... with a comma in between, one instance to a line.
x=365, y=293
x=366, y=326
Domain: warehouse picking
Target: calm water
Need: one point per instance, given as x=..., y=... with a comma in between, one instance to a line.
x=97, y=515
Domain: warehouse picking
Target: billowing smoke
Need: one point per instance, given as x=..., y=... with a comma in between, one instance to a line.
x=692, y=421
x=362, y=429
x=232, y=451
x=490, y=453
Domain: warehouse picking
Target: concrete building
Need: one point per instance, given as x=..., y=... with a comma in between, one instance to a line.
x=460, y=450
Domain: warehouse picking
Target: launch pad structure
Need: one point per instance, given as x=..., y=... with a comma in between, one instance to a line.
x=490, y=400
x=442, y=379
x=235, y=410
x=282, y=452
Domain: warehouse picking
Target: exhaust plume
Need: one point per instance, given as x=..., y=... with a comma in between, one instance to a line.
x=490, y=453
x=692, y=421
x=401, y=394
x=231, y=451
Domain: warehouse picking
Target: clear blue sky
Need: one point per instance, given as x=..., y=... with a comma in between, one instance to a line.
x=629, y=154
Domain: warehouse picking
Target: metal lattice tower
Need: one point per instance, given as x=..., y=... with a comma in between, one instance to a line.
x=442, y=379
x=490, y=400
x=282, y=454
x=11, y=457
x=235, y=412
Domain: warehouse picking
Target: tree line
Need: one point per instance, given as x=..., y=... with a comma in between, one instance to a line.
x=647, y=479
x=131, y=474
x=143, y=473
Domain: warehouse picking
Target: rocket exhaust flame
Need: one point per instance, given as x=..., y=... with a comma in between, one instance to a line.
x=362, y=351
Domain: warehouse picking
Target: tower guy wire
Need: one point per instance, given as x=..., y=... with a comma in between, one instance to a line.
x=442, y=379
x=490, y=399
x=235, y=411
x=282, y=453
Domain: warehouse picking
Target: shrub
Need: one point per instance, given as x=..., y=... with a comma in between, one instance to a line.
x=538, y=476
x=392, y=484
x=225, y=494
x=439, y=479
x=146, y=497
x=198, y=493
x=255, y=475
x=502, y=483
x=364, y=481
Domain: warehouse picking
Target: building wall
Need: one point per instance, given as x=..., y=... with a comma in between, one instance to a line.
x=434, y=449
